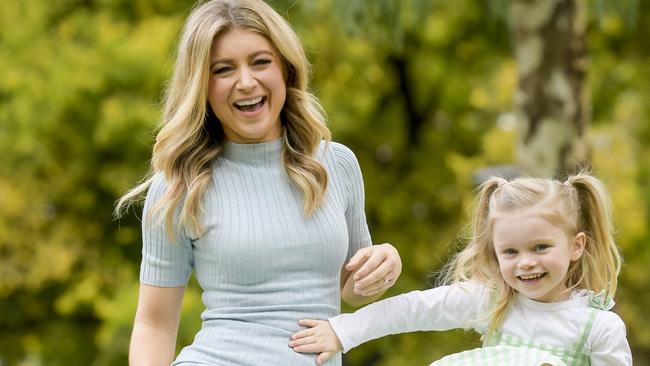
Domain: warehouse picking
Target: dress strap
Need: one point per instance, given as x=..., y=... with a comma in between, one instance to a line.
x=580, y=345
x=493, y=339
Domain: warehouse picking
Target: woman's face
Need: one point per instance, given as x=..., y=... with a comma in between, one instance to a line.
x=247, y=86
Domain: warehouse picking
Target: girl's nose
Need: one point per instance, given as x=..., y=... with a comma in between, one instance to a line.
x=527, y=262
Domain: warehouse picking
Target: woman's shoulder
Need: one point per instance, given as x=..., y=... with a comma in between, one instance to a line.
x=342, y=156
x=336, y=148
x=158, y=185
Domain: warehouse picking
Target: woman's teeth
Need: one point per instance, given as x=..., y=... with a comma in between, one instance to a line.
x=249, y=104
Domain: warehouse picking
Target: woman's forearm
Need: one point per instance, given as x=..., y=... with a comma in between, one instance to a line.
x=153, y=342
x=350, y=298
x=152, y=345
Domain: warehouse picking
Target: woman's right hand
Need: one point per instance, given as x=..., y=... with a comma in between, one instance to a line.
x=319, y=338
x=375, y=269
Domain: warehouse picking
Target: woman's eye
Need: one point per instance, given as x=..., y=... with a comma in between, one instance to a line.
x=221, y=70
x=261, y=61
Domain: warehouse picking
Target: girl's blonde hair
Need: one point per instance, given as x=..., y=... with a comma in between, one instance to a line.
x=580, y=204
x=191, y=136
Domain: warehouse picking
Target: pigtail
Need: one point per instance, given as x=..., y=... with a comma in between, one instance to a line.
x=502, y=294
x=599, y=266
x=465, y=265
x=478, y=261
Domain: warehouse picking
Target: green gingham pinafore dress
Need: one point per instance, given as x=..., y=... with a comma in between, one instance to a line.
x=505, y=350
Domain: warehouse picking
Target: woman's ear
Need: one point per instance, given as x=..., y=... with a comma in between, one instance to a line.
x=579, y=243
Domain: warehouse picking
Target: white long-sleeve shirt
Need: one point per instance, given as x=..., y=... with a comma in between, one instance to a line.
x=464, y=305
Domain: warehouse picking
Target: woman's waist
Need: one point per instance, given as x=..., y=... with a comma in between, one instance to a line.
x=284, y=318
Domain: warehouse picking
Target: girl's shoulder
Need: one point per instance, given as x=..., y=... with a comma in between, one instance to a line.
x=606, y=322
x=609, y=320
x=607, y=340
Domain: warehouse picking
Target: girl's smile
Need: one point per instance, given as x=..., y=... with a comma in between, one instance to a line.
x=531, y=279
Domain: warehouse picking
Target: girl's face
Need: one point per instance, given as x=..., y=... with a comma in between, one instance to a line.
x=247, y=87
x=534, y=255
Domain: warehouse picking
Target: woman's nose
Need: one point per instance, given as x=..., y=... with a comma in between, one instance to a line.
x=245, y=81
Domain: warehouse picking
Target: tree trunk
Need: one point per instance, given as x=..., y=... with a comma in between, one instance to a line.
x=552, y=100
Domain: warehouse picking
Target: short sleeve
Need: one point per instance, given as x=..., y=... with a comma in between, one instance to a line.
x=355, y=215
x=165, y=263
x=609, y=346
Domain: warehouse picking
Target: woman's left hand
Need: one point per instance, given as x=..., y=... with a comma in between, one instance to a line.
x=374, y=269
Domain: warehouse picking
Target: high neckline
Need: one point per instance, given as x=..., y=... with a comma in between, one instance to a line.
x=258, y=153
x=576, y=298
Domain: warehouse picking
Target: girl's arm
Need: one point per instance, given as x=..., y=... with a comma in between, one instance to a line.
x=446, y=307
x=153, y=342
x=609, y=345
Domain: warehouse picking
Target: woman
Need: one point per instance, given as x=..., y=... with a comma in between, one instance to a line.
x=246, y=193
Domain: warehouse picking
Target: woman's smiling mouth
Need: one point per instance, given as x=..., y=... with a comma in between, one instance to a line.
x=250, y=105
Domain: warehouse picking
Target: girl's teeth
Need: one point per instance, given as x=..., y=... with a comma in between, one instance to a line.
x=530, y=277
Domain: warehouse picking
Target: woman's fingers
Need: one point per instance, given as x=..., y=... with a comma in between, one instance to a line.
x=358, y=259
x=373, y=262
x=380, y=270
x=374, y=288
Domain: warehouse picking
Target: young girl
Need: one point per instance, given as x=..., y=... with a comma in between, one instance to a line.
x=538, y=275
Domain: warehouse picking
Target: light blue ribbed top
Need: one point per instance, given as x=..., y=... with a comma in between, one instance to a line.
x=261, y=264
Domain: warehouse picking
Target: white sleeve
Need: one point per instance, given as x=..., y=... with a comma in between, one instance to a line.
x=446, y=307
x=609, y=345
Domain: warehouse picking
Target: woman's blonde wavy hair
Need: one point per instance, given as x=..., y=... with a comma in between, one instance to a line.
x=190, y=136
x=580, y=204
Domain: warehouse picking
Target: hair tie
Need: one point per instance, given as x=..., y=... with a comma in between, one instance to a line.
x=501, y=182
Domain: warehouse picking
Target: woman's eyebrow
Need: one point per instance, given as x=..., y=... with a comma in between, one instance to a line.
x=251, y=56
x=221, y=61
x=260, y=52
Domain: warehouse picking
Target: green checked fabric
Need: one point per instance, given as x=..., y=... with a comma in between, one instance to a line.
x=500, y=356
x=572, y=356
x=506, y=350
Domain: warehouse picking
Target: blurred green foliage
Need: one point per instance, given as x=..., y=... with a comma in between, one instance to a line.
x=423, y=98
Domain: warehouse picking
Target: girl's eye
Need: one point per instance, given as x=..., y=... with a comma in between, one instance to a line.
x=540, y=247
x=509, y=252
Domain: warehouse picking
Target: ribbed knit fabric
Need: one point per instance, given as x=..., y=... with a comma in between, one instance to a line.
x=262, y=264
